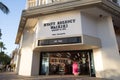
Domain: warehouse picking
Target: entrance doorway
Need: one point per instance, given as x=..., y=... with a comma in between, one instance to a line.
x=60, y=63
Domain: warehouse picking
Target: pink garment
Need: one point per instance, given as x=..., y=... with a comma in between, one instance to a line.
x=75, y=68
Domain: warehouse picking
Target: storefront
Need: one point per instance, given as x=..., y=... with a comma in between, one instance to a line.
x=53, y=36
x=60, y=63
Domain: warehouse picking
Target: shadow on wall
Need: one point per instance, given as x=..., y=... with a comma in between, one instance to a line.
x=110, y=74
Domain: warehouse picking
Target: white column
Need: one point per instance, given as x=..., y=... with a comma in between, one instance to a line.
x=35, y=63
x=98, y=62
x=26, y=53
x=18, y=62
x=109, y=50
x=25, y=62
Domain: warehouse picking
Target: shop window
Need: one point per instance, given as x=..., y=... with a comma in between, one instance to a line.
x=53, y=64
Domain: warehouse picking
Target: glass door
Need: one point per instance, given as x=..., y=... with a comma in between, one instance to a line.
x=44, y=64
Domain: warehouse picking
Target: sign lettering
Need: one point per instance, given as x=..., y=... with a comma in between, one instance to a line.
x=59, y=25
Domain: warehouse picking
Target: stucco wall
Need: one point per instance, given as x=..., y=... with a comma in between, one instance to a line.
x=107, y=57
x=109, y=50
x=18, y=62
x=89, y=25
x=26, y=54
x=35, y=63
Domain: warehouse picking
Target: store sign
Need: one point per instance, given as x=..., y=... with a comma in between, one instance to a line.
x=59, y=25
x=57, y=41
x=57, y=28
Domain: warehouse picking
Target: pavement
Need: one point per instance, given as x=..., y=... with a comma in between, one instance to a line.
x=14, y=76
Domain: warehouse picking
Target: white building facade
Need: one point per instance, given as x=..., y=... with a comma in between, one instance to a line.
x=53, y=33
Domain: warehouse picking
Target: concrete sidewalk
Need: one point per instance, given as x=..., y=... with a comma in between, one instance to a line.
x=13, y=76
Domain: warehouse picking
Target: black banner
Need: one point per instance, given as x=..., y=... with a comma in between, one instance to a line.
x=57, y=41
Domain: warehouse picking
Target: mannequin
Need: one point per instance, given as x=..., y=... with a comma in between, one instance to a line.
x=75, y=68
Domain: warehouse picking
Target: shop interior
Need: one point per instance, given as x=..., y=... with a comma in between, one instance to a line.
x=60, y=63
